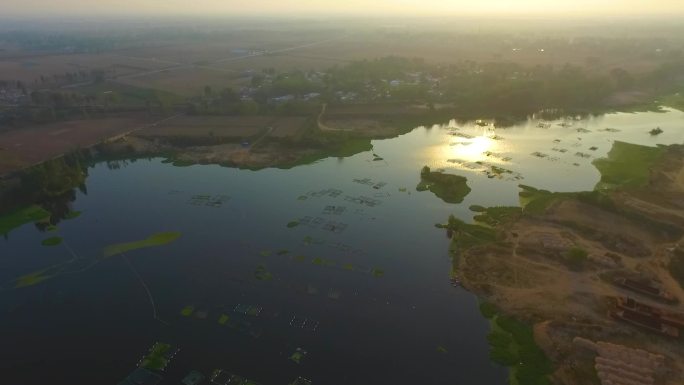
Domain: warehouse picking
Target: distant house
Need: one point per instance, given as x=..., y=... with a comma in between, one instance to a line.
x=312, y=95
x=283, y=99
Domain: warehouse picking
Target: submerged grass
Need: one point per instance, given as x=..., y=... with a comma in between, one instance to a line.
x=157, y=239
x=52, y=241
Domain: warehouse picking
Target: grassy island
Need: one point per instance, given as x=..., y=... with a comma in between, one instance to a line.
x=447, y=187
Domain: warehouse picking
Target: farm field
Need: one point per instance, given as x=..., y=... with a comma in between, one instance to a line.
x=30, y=69
x=187, y=81
x=225, y=127
x=27, y=146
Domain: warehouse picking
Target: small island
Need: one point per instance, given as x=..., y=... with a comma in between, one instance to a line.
x=447, y=187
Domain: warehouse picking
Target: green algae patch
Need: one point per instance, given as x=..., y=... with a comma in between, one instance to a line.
x=627, y=165
x=187, y=311
x=157, y=357
x=449, y=188
x=31, y=279
x=73, y=214
x=262, y=274
x=52, y=241
x=158, y=239
x=223, y=319
x=20, y=217
x=298, y=356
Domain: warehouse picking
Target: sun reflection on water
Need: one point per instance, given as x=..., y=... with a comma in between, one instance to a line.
x=471, y=149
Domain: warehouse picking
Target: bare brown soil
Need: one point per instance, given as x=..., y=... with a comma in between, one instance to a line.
x=527, y=276
x=24, y=147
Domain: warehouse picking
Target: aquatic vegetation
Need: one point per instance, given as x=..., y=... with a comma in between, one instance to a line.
x=447, y=187
x=298, y=356
x=52, y=241
x=627, y=165
x=377, y=273
x=32, y=279
x=292, y=224
x=51, y=228
x=465, y=235
x=187, y=311
x=301, y=381
x=265, y=253
x=158, y=357
x=20, y=217
x=158, y=239
x=223, y=319
x=73, y=214
x=317, y=261
x=262, y=274
x=300, y=258
x=442, y=349
x=348, y=266
x=656, y=131
x=282, y=252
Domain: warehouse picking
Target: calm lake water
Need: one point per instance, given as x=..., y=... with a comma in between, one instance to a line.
x=408, y=326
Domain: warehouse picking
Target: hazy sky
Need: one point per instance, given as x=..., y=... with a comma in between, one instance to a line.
x=345, y=7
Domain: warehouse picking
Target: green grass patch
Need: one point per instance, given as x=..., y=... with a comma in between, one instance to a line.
x=477, y=208
x=512, y=344
x=488, y=310
x=576, y=258
x=627, y=165
x=20, y=217
x=447, y=187
x=465, y=235
x=676, y=267
x=52, y=241
x=158, y=239
x=494, y=216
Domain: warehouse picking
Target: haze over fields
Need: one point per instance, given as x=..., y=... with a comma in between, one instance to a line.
x=558, y=8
